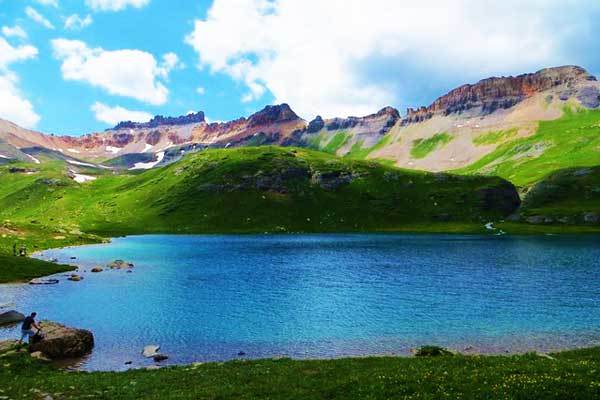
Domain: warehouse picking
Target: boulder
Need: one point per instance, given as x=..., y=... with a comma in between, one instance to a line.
x=38, y=355
x=120, y=264
x=150, y=350
x=75, y=278
x=97, y=269
x=40, y=281
x=10, y=317
x=60, y=341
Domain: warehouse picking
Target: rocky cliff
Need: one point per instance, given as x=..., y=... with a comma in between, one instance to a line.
x=491, y=94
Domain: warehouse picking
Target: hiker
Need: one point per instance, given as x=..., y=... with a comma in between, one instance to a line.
x=26, y=330
x=23, y=251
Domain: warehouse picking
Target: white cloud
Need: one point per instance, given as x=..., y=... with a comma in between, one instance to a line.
x=75, y=22
x=15, y=31
x=170, y=61
x=13, y=106
x=10, y=54
x=53, y=3
x=130, y=73
x=115, y=5
x=201, y=90
x=114, y=115
x=38, y=18
x=327, y=56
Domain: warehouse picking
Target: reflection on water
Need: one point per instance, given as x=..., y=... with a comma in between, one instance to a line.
x=208, y=297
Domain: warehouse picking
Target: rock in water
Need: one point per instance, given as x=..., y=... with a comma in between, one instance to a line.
x=60, y=341
x=119, y=264
x=97, y=269
x=11, y=317
x=160, y=357
x=75, y=278
x=150, y=351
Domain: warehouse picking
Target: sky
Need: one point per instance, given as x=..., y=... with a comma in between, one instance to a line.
x=78, y=66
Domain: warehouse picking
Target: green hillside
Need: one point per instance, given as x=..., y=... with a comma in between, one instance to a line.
x=250, y=190
x=570, y=141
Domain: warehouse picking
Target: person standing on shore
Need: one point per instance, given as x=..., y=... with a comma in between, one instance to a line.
x=26, y=331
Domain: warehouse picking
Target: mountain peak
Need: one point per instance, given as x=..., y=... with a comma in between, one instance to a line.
x=494, y=93
x=271, y=114
x=159, y=120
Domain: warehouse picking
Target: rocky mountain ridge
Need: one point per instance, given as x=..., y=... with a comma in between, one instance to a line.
x=492, y=104
x=491, y=94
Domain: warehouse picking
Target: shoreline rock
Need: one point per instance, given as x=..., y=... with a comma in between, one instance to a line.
x=11, y=317
x=60, y=341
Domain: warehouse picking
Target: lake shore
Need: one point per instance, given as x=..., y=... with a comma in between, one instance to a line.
x=570, y=374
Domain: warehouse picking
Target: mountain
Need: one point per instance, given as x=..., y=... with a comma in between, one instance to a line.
x=517, y=127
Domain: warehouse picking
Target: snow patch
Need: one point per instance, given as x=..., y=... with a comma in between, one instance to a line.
x=73, y=151
x=80, y=163
x=147, y=147
x=3, y=156
x=35, y=160
x=160, y=156
x=113, y=150
x=80, y=178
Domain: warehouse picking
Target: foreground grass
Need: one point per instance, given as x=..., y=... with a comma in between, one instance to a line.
x=571, y=374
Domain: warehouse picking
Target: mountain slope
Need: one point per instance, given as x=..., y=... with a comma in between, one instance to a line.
x=516, y=127
x=251, y=189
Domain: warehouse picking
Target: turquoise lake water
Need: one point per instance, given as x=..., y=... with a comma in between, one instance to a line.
x=209, y=297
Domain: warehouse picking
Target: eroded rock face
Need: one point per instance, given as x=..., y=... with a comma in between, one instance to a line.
x=272, y=114
x=159, y=120
x=492, y=94
x=63, y=342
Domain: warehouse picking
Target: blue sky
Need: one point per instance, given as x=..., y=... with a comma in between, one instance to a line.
x=76, y=66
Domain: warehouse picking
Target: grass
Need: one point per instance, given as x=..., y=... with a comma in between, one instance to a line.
x=566, y=195
x=245, y=190
x=494, y=137
x=336, y=142
x=570, y=141
x=422, y=147
x=23, y=269
x=570, y=374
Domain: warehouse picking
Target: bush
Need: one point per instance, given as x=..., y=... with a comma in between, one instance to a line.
x=432, y=351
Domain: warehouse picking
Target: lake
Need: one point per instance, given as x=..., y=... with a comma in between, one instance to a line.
x=209, y=297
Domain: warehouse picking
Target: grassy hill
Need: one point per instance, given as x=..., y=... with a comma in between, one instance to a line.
x=250, y=190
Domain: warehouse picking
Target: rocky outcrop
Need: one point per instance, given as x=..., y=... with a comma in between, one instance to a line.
x=159, y=120
x=272, y=114
x=378, y=123
x=61, y=342
x=502, y=198
x=10, y=317
x=491, y=94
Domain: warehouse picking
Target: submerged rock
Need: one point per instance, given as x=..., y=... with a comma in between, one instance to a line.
x=59, y=341
x=11, y=317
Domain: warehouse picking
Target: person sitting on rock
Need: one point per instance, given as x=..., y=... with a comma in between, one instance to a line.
x=26, y=330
